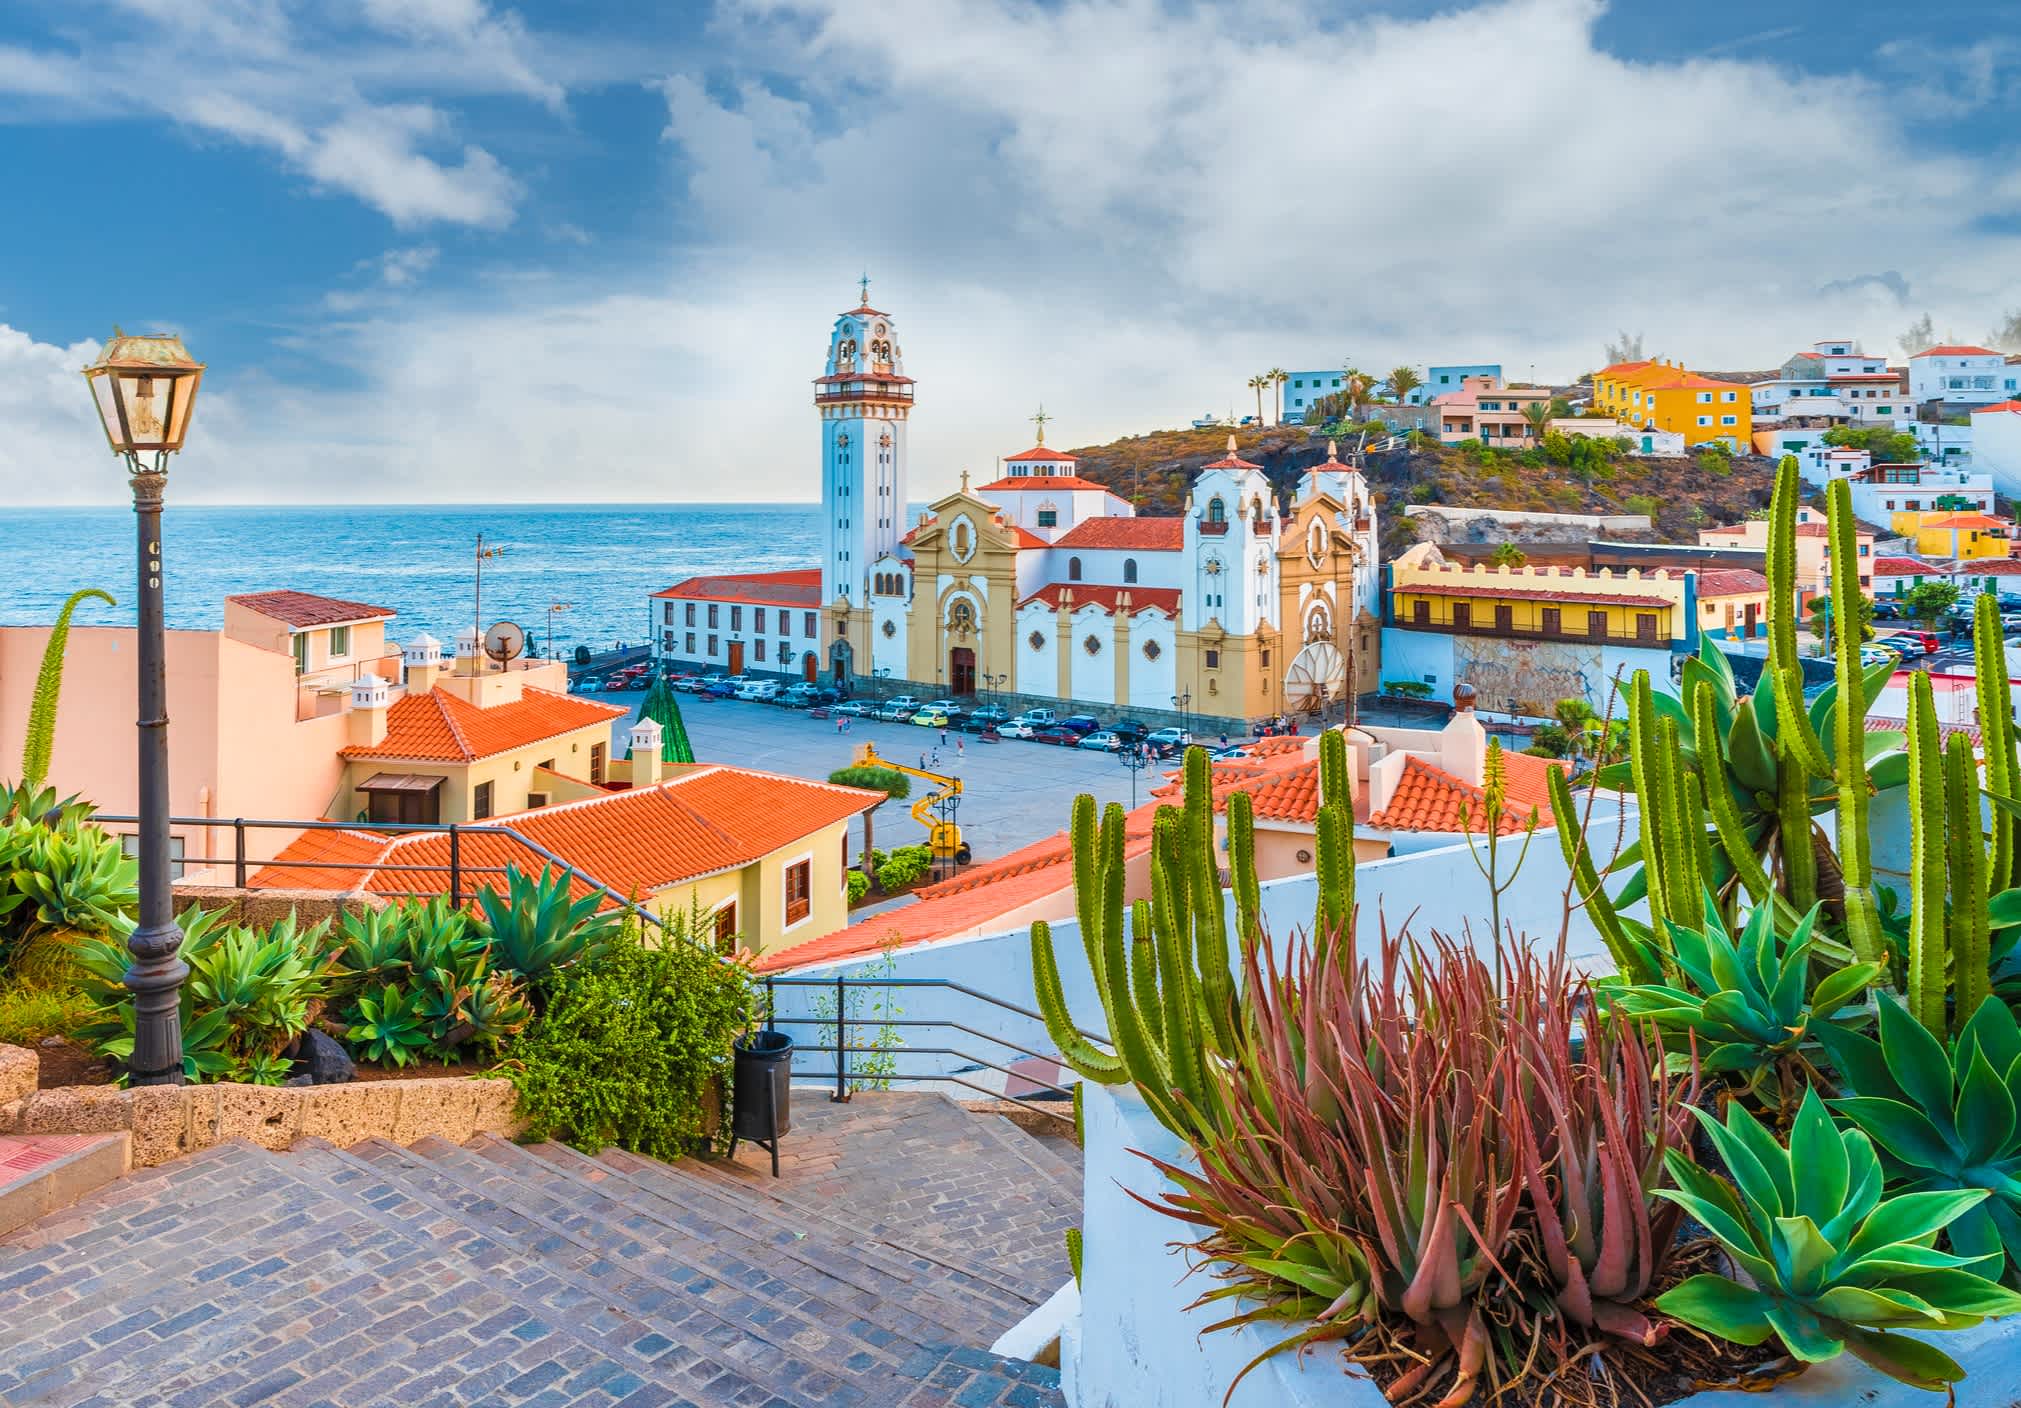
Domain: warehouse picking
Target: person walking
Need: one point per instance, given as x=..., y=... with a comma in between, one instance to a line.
x=960, y=750
x=943, y=736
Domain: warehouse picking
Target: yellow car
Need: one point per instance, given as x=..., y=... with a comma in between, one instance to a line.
x=930, y=718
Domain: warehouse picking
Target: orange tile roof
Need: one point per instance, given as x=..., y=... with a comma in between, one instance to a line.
x=2013, y=407
x=1956, y=350
x=1968, y=520
x=700, y=823
x=1730, y=581
x=1511, y=588
x=799, y=587
x=1146, y=534
x=1428, y=798
x=1165, y=599
x=442, y=727
x=1042, y=481
x=1041, y=452
x=1906, y=567
x=308, y=609
x=1621, y=369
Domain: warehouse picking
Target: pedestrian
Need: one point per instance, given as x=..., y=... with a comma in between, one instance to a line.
x=943, y=737
x=960, y=750
x=1224, y=738
x=922, y=762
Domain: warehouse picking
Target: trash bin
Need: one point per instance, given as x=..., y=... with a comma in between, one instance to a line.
x=762, y=1094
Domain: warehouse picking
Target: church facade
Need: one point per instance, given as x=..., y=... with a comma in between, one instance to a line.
x=1043, y=585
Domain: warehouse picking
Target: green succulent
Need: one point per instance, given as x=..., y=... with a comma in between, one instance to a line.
x=1833, y=1266
x=389, y=1026
x=535, y=928
x=76, y=878
x=1944, y=1117
x=1745, y=1005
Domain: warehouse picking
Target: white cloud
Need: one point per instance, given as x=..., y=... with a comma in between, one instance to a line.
x=1122, y=208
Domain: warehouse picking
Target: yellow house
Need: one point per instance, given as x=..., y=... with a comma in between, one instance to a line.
x=1538, y=603
x=764, y=857
x=1659, y=395
x=1949, y=533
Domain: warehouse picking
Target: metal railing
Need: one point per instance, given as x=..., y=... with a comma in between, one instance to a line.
x=841, y=1048
x=1658, y=640
x=458, y=870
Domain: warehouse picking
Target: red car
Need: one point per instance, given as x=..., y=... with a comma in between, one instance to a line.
x=1908, y=641
x=1057, y=734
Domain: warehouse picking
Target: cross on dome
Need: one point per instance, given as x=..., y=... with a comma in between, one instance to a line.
x=863, y=284
x=1040, y=421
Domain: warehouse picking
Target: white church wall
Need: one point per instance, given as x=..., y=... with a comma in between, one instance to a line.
x=1153, y=682
x=1037, y=670
x=887, y=646
x=1093, y=674
x=1104, y=566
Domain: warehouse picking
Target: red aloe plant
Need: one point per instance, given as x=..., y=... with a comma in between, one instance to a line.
x=1422, y=1152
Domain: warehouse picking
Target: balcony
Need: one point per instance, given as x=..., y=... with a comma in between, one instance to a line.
x=1647, y=639
x=1213, y=527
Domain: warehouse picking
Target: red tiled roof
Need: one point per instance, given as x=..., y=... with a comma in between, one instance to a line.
x=1968, y=520
x=799, y=587
x=702, y=822
x=1145, y=534
x=1231, y=461
x=1494, y=589
x=2012, y=407
x=1623, y=368
x=884, y=378
x=1905, y=567
x=1042, y=481
x=442, y=727
x=1165, y=599
x=1428, y=798
x=308, y=609
x=1956, y=350
x=1988, y=567
x=1731, y=581
x=1041, y=452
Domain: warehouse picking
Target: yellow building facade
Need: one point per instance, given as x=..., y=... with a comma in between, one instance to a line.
x=1949, y=533
x=1660, y=395
x=1540, y=603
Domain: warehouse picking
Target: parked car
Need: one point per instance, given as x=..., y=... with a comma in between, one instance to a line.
x=893, y=712
x=719, y=688
x=684, y=683
x=983, y=719
x=795, y=696
x=1058, y=734
x=1230, y=753
x=1016, y=729
x=1103, y=740
x=1876, y=654
x=1035, y=717
x=1129, y=730
x=758, y=691
x=950, y=707
x=907, y=702
x=1911, y=642
x=821, y=696
x=932, y=716
x=1168, y=738
x=854, y=708
x=1081, y=723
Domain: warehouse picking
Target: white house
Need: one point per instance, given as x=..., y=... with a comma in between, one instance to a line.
x=1962, y=376
x=1884, y=490
x=1996, y=443
x=1836, y=383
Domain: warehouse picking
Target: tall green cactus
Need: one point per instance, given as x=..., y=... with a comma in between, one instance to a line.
x=1927, y=868
x=1334, y=825
x=1996, y=738
x=1785, y=668
x=1849, y=766
x=1965, y=864
x=1164, y=978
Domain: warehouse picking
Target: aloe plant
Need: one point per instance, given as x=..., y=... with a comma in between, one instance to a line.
x=1831, y=1265
x=534, y=928
x=389, y=1026
x=1745, y=1005
x=1944, y=1117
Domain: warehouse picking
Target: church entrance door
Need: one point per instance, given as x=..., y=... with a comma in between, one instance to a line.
x=840, y=661
x=736, y=657
x=961, y=669
x=809, y=666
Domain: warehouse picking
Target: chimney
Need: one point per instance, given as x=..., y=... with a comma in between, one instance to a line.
x=645, y=753
x=366, y=722
x=469, y=652
x=421, y=662
x=1463, y=744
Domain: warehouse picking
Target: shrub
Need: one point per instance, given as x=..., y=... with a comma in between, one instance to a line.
x=631, y=1042
x=895, y=785
x=424, y=968
x=859, y=886
x=1648, y=505
x=31, y=1011
x=1407, y=689
x=907, y=866
x=61, y=879
x=534, y=928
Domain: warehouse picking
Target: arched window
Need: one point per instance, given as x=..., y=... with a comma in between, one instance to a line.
x=845, y=352
x=1129, y=570
x=1217, y=512
x=1073, y=569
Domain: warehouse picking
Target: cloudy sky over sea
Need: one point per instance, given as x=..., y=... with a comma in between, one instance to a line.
x=451, y=250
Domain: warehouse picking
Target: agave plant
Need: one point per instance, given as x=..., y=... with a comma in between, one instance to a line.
x=390, y=1026
x=535, y=928
x=57, y=884
x=1944, y=1117
x=1830, y=1264
x=1746, y=1006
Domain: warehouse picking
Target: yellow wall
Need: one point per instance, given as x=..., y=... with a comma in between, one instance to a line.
x=1492, y=587
x=1639, y=397
x=511, y=774
x=1946, y=542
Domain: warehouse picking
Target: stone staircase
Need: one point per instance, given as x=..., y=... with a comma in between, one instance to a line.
x=903, y=1237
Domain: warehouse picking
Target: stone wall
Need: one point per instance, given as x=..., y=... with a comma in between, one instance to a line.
x=168, y=1121
x=264, y=907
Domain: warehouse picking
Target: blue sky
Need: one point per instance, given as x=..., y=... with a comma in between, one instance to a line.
x=447, y=249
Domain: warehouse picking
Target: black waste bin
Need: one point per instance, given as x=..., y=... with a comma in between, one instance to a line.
x=762, y=1098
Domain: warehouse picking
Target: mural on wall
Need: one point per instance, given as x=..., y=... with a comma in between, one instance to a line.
x=1527, y=677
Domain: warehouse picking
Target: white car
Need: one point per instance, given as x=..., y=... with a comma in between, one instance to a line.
x=1016, y=728
x=757, y=689
x=1168, y=738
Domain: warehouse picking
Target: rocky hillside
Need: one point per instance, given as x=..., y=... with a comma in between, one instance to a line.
x=1682, y=494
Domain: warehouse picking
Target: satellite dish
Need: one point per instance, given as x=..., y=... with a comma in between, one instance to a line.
x=504, y=641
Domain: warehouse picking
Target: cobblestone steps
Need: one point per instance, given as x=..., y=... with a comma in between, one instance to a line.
x=457, y=1275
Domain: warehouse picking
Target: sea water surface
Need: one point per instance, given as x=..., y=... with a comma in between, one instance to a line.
x=604, y=561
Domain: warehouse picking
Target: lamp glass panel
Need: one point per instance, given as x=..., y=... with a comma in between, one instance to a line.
x=179, y=410
x=108, y=415
x=145, y=396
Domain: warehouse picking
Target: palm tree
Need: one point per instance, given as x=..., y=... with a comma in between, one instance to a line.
x=1256, y=384
x=1537, y=415
x=1360, y=391
x=1403, y=381
x=1278, y=376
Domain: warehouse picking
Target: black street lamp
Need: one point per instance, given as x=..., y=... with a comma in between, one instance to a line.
x=145, y=388
x=1179, y=702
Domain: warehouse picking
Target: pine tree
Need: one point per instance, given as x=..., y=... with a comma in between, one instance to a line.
x=663, y=709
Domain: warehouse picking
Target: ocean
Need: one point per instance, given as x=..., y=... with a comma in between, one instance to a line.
x=603, y=561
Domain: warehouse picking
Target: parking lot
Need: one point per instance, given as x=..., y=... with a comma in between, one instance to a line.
x=1013, y=793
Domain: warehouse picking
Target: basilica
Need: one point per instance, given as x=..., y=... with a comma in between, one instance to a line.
x=1042, y=586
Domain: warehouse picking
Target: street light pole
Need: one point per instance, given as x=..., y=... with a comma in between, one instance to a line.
x=145, y=388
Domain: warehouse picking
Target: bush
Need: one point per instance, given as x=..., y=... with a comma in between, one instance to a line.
x=859, y=886
x=61, y=879
x=1648, y=505
x=630, y=1044
x=30, y=1012
x=419, y=976
x=895, y=785
x=907, y=866
x=1407, y=689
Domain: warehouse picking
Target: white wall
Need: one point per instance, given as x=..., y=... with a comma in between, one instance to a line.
x=1093, y=677
x=1036, y=671
x=1104, y=566
x=1153, y=682
x=1996, y=448
x=1426, y=656
x=887, y=652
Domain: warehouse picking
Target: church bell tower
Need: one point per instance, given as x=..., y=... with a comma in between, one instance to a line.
x=864, y=399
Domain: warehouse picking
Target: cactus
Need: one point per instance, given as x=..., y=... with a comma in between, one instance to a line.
x=1996, y=737
x=1784, y=675
x=1965, y=863
x=1074, y=1253
x=1926, y=861
x=1334, y=825
x=1164, y=977
x=1849, y=770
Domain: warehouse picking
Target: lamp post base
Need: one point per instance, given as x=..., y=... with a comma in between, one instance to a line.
x=155, y=980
